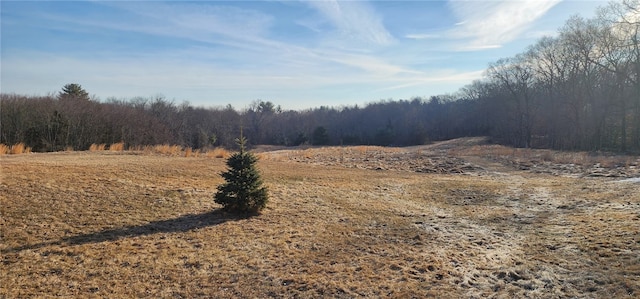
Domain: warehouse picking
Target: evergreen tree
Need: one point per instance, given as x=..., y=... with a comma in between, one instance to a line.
x=320, y=136
x=73, y=91
x=243, y=191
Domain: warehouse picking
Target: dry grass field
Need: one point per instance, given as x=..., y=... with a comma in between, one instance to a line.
x=444, y=221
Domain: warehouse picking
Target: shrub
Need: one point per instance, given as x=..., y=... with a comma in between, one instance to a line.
x=243, y=192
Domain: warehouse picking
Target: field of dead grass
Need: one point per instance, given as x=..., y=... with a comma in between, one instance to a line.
x=104, y=224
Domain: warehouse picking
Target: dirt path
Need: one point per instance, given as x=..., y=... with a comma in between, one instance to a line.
x=562, y=235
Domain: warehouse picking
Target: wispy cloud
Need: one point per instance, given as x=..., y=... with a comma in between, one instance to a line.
x=198, y=20
x=491, y=24
x=175, y=75
x=371, y=64
x=421, y=36
x=439, y=77
x=354, y=20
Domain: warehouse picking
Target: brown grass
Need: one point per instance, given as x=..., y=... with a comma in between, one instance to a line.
x=559, y=157
x=218, y=152
x=88, y=229
x=117, y=147
x=167, y=149
x=159, y=149
x=4, y=149
x=336, y=152
x=136, y=148
x=97, y=147
x=19, y=148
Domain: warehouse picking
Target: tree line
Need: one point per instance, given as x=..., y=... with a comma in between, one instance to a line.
x=54, y=123
x=579, y=90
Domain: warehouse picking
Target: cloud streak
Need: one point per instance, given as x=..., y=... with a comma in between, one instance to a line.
x=491, y=24
x=196, y=21
x=354, y=20
x=436, y=78
x=177, y=77
x=421, y=36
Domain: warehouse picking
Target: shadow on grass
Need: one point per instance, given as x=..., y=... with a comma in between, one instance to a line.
x=181, y=224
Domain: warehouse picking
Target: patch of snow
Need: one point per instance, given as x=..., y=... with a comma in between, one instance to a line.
x=631, y=180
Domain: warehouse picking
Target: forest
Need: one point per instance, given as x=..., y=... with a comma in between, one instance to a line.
x=577, y=90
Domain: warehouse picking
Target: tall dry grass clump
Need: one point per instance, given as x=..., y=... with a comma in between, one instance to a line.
x=147, y=149
x=218, y=152
x=136, y=148
x=19, y=148
x=4, y=149
x=117, y=147
x=143, y=149
x=162, y=149
x=188, y=152
x=97, y=147
x=167, y=149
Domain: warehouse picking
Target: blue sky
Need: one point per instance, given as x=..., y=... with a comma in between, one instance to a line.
x=298, y=54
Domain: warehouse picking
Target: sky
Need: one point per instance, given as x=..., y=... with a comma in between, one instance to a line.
x=297, y=54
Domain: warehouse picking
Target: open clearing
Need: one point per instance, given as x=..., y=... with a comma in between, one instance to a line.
x=434, y=221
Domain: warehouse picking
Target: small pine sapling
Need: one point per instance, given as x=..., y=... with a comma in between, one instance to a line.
x=242, y=192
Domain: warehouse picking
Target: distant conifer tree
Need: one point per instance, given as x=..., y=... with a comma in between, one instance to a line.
x=73, y=91
x=243, y=192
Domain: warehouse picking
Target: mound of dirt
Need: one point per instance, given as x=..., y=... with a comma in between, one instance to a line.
x=473, y=155
x=627, y=170
x=379, y=158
